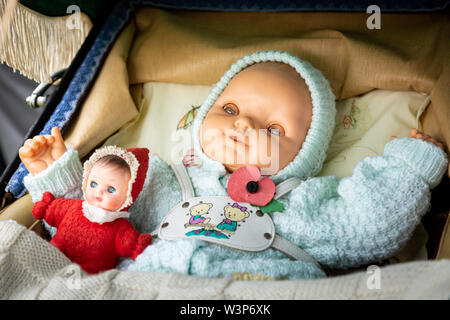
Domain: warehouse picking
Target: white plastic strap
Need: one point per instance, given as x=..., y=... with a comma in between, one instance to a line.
x=187, y=191
x=292, y=251
x=286, y=186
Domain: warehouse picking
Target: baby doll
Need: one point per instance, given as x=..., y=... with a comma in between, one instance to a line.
x=275, y=104
x=94, y=232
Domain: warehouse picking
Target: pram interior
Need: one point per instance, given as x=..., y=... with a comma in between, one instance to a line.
x=159, y=48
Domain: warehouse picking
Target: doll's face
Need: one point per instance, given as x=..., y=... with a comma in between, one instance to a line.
x=107, y=186
x=261, y=119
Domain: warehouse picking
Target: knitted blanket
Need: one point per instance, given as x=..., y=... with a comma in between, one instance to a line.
x=31, y=268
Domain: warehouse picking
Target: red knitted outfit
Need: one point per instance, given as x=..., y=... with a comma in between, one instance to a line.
x=97, y=246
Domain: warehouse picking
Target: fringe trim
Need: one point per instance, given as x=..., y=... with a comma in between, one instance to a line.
x=8, y=12
x=37, y=45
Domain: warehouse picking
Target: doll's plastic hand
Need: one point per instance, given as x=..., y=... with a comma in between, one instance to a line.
x=420, y=135
x=39, y=153
x=143, y=242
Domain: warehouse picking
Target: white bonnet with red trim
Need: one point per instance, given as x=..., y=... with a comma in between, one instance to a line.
x=137, y=160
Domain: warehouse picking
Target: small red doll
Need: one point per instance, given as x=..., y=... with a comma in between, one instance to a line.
x=94, y=232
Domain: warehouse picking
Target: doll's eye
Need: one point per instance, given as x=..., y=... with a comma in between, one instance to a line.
x=231, y=109
x=93, y=184
x=276, y=129
x=111, y=189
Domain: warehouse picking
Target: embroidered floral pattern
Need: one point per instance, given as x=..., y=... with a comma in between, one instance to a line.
x=188, y=118
x=350, y=120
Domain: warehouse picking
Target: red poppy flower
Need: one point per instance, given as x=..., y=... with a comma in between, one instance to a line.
x=246, y=185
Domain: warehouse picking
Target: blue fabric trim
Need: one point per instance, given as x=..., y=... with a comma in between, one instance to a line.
x=304, y=5
x=79, y=84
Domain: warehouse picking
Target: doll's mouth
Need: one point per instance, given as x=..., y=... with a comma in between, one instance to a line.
x=238, y=140
x=98, y=199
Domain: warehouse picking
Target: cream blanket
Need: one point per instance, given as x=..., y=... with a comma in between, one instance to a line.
x=24, y=275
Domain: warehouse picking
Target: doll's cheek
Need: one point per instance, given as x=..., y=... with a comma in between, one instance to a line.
x=89, y=196
x=113, y=202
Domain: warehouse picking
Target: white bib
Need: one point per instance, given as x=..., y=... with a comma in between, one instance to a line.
x=220, y=220
x=99, y=215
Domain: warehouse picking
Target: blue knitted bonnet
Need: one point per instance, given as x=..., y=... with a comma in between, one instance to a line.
x=309, y=160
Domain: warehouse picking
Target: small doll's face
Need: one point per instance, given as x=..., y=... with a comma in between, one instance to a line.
x=261, y=119
x=107, y=187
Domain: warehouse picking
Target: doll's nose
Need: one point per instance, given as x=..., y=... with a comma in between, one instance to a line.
x=245, y=123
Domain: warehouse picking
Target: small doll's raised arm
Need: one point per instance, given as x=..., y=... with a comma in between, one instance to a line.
x=39, y=153
x=53, y=167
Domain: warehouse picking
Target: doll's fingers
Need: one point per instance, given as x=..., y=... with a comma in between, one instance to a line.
x=38, y=141
x=435, y=142
x=49, y=138
x=31, y=144
x=429, y=139
x=57, y=135
x=59, y=147
x=25, y=152
x=419, y=135
x=423, y=136
x=55, y=132
x=27, y=142
x=413, y=132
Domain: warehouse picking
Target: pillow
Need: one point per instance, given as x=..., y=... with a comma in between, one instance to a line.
x=163, y=107
x=363, y=124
